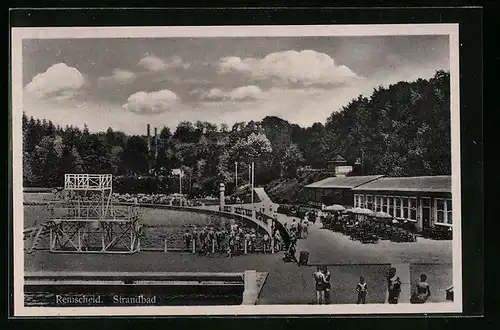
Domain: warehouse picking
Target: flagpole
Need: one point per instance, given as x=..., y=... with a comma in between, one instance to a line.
x=180, y=186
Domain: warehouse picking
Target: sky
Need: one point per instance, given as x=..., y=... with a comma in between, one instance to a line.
x=129, y=83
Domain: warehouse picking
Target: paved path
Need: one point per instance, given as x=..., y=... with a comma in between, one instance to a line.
x=328, y=247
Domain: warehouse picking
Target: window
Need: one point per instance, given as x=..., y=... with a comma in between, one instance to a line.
x=440, y=210
x=377, y=203
x=361, y=201
x=413, y=208
x=369, y=202
x=383, y=204
x=449, y=213
x=405, y=207
x=390, y=208
x=397, y=207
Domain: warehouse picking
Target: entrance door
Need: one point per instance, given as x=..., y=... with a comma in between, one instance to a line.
x=426, y=212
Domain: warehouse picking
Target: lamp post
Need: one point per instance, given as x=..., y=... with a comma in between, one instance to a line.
x=180, y=186
x=236, y=175
x=251, y=192
x=362, y=161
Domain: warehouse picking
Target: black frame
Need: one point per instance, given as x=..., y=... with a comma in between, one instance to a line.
x=471, y=97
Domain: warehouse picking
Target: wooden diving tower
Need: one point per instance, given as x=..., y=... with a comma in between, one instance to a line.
x=87, y=221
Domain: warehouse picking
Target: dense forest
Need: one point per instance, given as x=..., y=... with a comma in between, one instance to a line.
x=402, y=130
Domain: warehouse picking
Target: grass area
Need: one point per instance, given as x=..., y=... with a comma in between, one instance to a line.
x=288, y=191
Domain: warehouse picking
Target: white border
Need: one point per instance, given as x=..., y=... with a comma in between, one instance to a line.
x=231, y=31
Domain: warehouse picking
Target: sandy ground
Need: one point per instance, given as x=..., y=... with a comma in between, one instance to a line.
x=439, y=277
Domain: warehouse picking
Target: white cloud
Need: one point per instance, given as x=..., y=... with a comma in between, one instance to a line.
x=58, y=82
x=154, y=63
x=151, y=103
x=119, y=77
x=306, y=67
x=243, y=93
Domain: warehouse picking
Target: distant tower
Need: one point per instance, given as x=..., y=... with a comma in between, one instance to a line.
x=149, y=137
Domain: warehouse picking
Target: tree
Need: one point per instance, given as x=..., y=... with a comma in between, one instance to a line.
x=185, y=132
x=134, y=158
x=292, y=160
x=165, y=134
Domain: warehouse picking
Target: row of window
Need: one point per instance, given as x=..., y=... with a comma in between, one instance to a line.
x=404, y=207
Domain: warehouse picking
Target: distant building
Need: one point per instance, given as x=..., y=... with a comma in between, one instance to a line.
x=338, y=165
x=336, y=190
x=424, y=200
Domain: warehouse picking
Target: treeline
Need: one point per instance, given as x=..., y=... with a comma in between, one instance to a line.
x=401, y=130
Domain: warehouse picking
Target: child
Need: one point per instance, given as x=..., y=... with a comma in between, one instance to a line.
x=422, y=291
x=361, y=289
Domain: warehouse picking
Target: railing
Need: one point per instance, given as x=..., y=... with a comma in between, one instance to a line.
x=88, y=181
x=95, y=211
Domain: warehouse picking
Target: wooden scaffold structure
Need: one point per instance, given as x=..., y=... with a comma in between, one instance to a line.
x=87, y=221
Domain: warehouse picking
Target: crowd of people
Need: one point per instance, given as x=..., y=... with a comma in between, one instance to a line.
x=231, y=240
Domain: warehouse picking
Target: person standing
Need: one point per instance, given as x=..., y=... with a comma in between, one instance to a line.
x=265, y=245
x=305, y=228
x=422, y=291
x=361, y=289
x=393, y=286
x=187, y=239
x=319, y=280
x=328, y=285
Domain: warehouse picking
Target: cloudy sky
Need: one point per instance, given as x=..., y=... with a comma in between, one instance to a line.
x=128, y=83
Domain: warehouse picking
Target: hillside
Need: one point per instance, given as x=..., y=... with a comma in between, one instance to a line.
x=286, y=191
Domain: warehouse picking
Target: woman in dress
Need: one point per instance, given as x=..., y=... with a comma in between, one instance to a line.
x=422, y=291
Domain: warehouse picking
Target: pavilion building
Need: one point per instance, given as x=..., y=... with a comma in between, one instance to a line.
x=424, y=200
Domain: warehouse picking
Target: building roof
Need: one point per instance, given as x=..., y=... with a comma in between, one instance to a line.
x=338, y=159
x=420, y=183
x=343, y=182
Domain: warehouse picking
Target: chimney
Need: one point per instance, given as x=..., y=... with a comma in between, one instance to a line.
x=156, y=143
x=149, y=137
